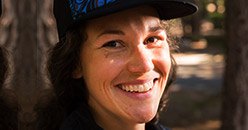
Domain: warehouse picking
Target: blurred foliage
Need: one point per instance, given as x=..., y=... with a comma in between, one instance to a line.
x=217, y=19
x=207, y=23
x=214, y=10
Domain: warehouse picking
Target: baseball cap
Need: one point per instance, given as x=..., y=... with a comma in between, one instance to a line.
x=70, y=12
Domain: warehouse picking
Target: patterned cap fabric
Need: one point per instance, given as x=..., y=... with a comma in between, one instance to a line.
x=71, y=12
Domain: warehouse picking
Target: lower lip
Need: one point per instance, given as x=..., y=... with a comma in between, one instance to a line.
x=136, y=95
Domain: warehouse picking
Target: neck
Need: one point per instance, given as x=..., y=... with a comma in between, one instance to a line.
x=119, y=125
x=115, y=123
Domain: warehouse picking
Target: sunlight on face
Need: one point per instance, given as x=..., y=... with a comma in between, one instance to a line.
x=125, y=63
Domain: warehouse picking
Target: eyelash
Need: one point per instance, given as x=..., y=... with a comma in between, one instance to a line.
x=113, y=44
x=155, y=39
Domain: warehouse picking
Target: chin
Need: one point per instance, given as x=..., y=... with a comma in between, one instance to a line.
x=145, y=119
x=144, y=116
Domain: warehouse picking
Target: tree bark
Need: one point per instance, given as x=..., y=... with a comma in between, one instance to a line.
x=235, y=92
x=27, y=31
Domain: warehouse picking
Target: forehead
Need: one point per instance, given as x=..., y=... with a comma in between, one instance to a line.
x=142, y=16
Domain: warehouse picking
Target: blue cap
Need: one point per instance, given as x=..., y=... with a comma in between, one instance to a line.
x=69, y=12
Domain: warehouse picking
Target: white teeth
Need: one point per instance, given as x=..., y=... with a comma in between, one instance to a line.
x=138, y=88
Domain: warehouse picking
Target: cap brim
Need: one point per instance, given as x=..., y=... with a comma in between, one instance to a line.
x=167, y=9
x=174, y=9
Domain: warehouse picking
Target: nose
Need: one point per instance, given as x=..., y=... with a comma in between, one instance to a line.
x=140, y=60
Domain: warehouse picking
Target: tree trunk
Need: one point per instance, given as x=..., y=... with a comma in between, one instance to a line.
x=235, y=92
x=27, y=31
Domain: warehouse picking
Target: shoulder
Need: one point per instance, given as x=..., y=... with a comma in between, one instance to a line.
x=8, y=113
x=79, y=120
x=8, y=117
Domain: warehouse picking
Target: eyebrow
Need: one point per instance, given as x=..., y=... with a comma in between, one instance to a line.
x=111, y=31
x=155, y=28
x=119, y=32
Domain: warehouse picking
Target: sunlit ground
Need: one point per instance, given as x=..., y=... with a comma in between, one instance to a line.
x=195, y=69
x=194, y=102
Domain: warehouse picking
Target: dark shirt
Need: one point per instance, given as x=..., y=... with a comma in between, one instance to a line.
x=81, y=119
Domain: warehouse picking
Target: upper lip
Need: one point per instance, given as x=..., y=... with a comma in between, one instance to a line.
x=142, y=79
x=137, y=81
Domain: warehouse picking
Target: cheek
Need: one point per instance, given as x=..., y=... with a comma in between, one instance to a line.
x=163, y=60
x=101, y=69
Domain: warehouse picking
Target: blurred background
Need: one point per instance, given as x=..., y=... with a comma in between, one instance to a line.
x=196, y=99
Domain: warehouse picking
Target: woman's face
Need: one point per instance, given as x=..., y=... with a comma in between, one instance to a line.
x=125, y=63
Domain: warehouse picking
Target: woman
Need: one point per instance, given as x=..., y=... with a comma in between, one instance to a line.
x=112, y=67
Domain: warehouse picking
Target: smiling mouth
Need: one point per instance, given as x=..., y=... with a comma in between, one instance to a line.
x=138, y=88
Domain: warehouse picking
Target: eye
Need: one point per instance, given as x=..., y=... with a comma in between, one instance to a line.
x=151, y=40
x=113, y=44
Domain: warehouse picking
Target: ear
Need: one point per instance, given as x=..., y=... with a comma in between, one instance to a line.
x=77, y=73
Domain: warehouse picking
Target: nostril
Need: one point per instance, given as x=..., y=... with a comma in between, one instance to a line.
x=155, y=80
